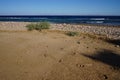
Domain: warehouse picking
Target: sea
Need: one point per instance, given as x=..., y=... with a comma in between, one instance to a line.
x=69, y=19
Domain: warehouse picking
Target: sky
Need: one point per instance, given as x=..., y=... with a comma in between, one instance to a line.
x=59, y=7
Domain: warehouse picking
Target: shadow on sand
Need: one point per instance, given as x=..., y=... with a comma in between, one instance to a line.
x=107, y=57
x=115, y=42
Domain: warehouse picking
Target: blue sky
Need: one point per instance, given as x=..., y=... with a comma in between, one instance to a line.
x=59, y=7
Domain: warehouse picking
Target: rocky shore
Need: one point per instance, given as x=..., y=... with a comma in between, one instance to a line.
x=13, y=26
x=110, y=32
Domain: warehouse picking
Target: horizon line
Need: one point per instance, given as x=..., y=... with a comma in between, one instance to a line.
x=57, y=15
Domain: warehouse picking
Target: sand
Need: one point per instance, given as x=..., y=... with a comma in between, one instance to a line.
x=52, y=55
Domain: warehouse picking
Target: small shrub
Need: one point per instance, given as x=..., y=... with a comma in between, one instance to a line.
x=72, y=33
x=38, y=26
x=31, y=27
x=45, y=25
x=42, y=25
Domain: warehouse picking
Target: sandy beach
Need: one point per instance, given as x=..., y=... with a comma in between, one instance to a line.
x=53, y=55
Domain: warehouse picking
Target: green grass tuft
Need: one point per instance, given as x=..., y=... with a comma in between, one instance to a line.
x=72, y=33
x=38, y=26
x=30, y=27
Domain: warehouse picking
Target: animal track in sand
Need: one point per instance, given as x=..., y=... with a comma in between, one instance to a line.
x=60, y=60
x=45, y=55
x=83, y=65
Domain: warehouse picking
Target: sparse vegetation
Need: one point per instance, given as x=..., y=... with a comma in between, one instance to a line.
x=72, y=33
x=42, y=25
x=30, y=27
x=38, y=26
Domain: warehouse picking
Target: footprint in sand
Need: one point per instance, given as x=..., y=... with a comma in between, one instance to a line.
x=60, y=60
x=83, y=65
x=95, y=48
x=61, y=48
x=80, y=65
x=78, y=42
x=45, y=55
x=87, y=47
x=74, y=53
x=19, y=61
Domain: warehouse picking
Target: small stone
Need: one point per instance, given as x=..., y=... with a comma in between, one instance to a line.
x=45, y=55
x=117, y=46
x=79, y=65
x=78, y=42
x=74, y=53
x=60, y=60
x=87, y=47
x=61, y=48
x=84, y=37
x=105, y=76
x=82, y=66
x=95, y=48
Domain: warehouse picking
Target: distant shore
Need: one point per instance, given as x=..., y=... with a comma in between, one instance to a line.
x=110, y=32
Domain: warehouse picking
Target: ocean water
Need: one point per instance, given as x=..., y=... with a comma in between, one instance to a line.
x=101, y=20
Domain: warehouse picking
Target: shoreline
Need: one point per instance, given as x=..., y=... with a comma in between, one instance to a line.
x=109, y=32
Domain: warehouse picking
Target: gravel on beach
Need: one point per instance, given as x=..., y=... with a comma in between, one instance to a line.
x=110, y=32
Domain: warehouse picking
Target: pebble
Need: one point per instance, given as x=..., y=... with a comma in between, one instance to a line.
x=84, y=37
x=78, y=42
x=110, y=32
x=105, y=76
x=60, y=60
x=61, y=48
x=95, y=48
x=87, y=47
x=84, y=65
x=79, y=65
x=117, y=46
x=45, y=55
x=74, y=53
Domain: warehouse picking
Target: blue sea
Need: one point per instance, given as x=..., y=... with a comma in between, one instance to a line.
x=101, y=20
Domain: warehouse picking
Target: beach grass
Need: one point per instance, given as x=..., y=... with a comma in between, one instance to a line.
x=30, y=27
x=38, y=26
x=71, y=33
